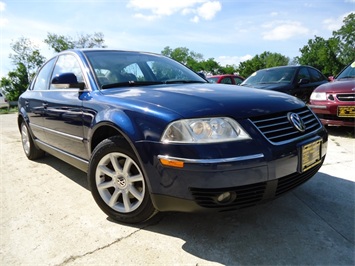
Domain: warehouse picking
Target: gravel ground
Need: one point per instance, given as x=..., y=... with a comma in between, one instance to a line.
x=48, y=217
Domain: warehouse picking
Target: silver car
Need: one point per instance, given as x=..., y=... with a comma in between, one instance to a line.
x=3, y=101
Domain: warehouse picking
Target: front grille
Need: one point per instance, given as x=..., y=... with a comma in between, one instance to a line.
x=251, y=195
x=348, y=97
x=277, y=128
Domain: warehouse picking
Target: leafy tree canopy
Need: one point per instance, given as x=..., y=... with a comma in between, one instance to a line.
x=264, y=60
x=346, y=37
x=196, y=62
x=332, y=55
x=27, y=59
x=27, y=54
x=15, y=83
x=60, y=42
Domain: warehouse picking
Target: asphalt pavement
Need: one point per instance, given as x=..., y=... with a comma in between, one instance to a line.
x=48, y=217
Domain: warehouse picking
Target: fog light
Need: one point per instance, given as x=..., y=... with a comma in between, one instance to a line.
x=226, y=197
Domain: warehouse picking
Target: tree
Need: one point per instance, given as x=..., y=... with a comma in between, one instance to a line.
x=27, y=54
x=15, y=83
x=332, y=55
x=346, y=40
x=210, y=66
x=321, y=54
x=27, y=59
x=183, y=55
x=229, y=69
x=264, y=60
x=90, y=41
x=60, y=42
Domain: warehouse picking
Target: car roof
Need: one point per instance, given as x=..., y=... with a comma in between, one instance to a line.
x=223, y=75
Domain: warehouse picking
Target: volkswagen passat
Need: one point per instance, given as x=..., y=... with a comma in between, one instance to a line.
x=154, y=136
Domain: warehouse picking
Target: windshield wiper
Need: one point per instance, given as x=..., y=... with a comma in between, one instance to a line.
x=176, y=81
x=131, y=84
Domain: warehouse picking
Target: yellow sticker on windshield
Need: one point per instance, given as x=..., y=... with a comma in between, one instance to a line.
x=253, y=74
x=353, y=64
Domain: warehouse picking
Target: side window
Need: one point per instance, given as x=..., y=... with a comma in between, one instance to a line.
x=41, y=81
x=226, y=80
x=68, y=64
x=238, y=80
x=316, y=75
x=303, y=74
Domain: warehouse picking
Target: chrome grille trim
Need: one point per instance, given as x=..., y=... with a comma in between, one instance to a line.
x=346, y=97
x=277, y=129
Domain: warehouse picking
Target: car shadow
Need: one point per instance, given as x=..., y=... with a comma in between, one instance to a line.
x=65, y=169
x=346, y=132
x=313, y=224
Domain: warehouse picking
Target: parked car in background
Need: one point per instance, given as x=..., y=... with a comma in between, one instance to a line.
x=226, y=79
x=334, y=102
x=3, y=102
x=155, y=136
x=299, y=81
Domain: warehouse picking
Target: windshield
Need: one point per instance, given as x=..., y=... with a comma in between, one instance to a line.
x=272, y=75
x=348, y=72
x=119, y=68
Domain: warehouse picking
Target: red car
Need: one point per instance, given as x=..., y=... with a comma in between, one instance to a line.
x=334, y=102
x=226, y=79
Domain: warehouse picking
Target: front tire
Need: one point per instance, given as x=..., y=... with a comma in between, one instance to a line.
x=118, y=184
x=31, y=151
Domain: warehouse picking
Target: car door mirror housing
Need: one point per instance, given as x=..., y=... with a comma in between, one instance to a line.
x=67, y=80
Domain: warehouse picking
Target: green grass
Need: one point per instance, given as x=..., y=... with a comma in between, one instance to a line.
x=10, y=110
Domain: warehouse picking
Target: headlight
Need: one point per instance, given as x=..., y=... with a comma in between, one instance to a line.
x=204, y=130
x=319, y=96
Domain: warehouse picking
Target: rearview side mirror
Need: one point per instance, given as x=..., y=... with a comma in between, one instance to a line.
x=67, y=80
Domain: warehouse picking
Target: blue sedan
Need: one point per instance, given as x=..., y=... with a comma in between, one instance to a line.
x=153, y=135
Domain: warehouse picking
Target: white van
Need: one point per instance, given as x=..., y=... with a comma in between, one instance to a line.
x=3, y=102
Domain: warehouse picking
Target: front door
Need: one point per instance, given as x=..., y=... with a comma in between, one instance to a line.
x=63, y=115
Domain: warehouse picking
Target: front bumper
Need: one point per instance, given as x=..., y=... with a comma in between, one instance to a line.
x=242, y=196
x=259, y=174
x=327, y=113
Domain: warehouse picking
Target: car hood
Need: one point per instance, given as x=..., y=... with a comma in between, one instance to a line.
x=338, y=86
x=196, y=100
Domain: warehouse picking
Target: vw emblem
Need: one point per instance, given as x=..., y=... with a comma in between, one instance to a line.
x=296, y=121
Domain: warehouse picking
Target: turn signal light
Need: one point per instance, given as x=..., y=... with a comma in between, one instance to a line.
x=172, y=163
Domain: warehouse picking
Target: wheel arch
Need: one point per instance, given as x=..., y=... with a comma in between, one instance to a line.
x=105, y=130
x=21, y=117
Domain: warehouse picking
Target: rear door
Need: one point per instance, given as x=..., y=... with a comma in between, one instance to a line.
x=33, y=100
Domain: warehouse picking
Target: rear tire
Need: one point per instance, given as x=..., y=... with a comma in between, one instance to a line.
x=31, y=151
x=118, y=184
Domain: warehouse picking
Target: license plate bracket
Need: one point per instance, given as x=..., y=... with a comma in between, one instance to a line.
x=310, y=155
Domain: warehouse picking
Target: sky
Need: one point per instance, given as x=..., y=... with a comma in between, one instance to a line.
x=229, y=31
